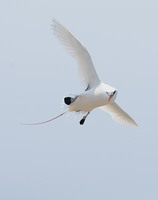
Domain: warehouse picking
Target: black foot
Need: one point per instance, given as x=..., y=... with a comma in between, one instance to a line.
x=68, y=100
x=82, y=121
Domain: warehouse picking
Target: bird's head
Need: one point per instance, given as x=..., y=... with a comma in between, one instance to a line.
x=111, y=95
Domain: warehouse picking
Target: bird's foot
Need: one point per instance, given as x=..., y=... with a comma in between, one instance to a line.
x=82, y=121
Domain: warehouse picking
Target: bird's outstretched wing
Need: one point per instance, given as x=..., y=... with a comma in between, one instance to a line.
x=118, y=114
x=86, y=69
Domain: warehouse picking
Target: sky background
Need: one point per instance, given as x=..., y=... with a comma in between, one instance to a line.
x=63, y=160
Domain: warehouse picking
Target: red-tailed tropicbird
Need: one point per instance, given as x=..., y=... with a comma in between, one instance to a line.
x=96, y=93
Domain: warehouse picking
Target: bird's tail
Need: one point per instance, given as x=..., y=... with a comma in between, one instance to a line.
x=45, y=121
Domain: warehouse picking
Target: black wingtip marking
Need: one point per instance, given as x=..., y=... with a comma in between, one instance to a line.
x=68, y=100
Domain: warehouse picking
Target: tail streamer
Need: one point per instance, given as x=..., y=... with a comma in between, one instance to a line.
x=44, y=121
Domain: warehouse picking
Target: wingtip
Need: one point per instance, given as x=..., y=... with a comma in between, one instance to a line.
x=56, y=22
x=54, y=25
x=130, y=124
x=133, y=124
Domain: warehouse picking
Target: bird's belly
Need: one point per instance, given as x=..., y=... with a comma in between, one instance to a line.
x=87, y=103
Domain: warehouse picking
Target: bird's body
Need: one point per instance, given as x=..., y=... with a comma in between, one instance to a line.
x=90, y=99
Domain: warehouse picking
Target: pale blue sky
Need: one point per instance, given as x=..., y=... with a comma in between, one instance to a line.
x=63, y=160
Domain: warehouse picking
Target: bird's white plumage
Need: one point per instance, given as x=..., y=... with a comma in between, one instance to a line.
x=118, y=114
x=86, y=69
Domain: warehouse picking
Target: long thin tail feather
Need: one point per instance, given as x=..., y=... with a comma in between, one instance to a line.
x=44, y=121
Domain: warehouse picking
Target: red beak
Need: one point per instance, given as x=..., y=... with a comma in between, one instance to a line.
x=110, y=96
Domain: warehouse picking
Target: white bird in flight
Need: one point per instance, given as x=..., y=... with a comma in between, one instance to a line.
x=96, y=94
